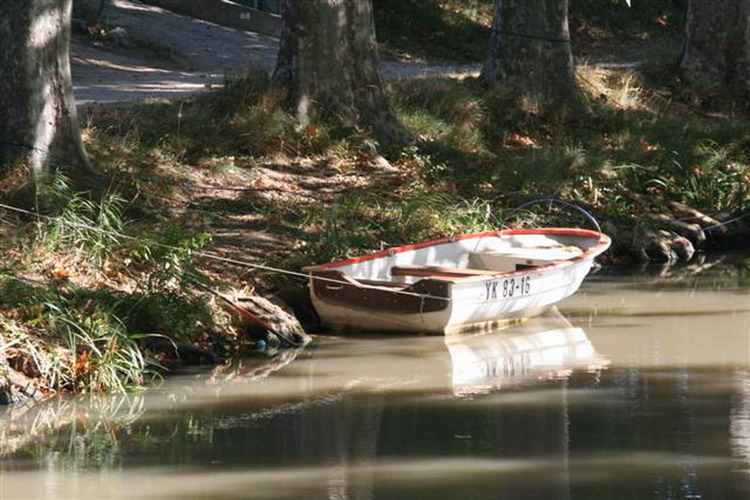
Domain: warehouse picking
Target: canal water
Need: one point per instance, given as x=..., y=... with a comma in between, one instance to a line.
x=637, y=387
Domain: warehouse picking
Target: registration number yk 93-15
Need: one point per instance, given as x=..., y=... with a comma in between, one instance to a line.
x=507, y=288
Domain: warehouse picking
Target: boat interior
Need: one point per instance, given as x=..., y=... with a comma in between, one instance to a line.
x=471, y=257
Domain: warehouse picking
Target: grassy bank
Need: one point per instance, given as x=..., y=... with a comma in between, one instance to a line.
x=92, y=301
x=235, y=157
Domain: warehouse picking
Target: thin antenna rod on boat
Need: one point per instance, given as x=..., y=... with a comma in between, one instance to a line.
x=550, y=201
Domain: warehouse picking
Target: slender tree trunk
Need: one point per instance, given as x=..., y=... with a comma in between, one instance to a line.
x=530, y=52
x=328, y=60
x=716, y=55
x=38, y=122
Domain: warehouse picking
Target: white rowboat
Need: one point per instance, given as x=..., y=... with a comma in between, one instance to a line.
x=462, y=283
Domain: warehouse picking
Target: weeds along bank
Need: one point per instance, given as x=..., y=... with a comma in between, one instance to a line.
x=88, y=308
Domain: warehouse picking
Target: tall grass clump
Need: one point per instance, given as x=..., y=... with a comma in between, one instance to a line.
x=441, y=108
x=245, y=117
x=66, y=341
x=163, y=300
x=107, y=356
x=84, y=227
x=711, y=178
x=86, y=297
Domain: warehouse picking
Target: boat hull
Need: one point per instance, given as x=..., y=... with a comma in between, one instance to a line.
x=466, y=283
x=473, y=305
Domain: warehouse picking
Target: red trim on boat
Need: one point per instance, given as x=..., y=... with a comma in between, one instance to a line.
x=603, y=243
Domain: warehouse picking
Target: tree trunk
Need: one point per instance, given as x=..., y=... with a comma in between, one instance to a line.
x=328, y=60
x=38, y=122
x=530, y=53
x=716, y=55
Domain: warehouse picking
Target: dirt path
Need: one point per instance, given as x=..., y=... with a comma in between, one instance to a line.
x=171, y=55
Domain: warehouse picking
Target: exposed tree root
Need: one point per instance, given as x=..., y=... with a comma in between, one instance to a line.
x=670, y=232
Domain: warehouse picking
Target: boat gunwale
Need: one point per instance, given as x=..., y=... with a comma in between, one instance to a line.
x=603, y=242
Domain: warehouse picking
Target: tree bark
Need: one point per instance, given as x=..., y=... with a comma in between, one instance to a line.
x=716, y=55
x=38, y=122
x=328, y=60
x=530, y=52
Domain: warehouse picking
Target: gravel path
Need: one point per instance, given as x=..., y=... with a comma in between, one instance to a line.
x=176, y=55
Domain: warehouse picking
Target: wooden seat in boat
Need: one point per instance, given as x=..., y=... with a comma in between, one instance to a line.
x=437, y=271
x=522, y=258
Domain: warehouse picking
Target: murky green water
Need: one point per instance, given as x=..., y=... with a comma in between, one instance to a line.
x=640, y=388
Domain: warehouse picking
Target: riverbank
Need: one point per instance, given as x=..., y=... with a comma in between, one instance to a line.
x=103, y=294
x=106, y=294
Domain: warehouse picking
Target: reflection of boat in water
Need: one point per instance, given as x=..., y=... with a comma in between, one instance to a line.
x=361, y=436
x=542, y=348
